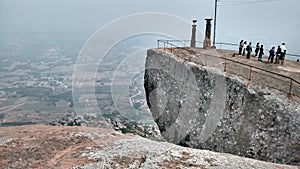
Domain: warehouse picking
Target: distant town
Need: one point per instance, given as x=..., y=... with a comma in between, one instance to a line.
x=36, y=84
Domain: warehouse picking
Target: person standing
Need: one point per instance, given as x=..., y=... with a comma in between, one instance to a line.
x=249, y=50
x=257, y=48
x=261, y=53
x=241, y=47
x=278, y=55
x=244, y=48
x=271, y=54
x=283, y=52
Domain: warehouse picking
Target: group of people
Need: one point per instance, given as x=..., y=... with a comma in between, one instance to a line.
x=276, y=57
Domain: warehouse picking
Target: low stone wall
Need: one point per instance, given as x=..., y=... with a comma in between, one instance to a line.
x=202, y=107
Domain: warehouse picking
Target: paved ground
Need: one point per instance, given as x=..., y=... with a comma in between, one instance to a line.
x=289, y=68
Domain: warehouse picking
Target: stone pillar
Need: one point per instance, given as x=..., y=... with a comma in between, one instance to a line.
x=193, y=38
x=207, y=39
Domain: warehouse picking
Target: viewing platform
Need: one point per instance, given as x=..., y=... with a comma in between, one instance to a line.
x=284, y=78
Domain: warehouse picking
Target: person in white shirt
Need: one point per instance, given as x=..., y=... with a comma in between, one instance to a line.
x=244, y=48
x=283, y=52
x=241, y=47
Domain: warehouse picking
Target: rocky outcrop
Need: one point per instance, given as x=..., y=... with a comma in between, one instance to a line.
x=81, y=147
x=202, y=107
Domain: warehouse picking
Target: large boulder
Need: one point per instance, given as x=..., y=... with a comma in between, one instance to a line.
x=203, y=107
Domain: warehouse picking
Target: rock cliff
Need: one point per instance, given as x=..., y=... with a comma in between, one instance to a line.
x=203, y=107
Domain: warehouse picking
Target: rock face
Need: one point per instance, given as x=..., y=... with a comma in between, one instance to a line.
x=76, y=147
x=202, y=107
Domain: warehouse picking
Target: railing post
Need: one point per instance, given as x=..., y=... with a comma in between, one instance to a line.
x=167, y=44
x=158, y=44
x=164, y=46
x=250, y=73
x=225, y=65
x=291, y=85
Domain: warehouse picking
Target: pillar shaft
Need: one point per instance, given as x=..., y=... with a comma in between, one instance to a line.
x=207, y=39
x=193, y=39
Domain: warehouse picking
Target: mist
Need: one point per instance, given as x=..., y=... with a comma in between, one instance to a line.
x=270, y=22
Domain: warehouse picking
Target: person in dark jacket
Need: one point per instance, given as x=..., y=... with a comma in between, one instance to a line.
x=257, y=48
x=271, y=54
x=278, y=55
x=261, y=53
x=241, y=47
x=249, y=50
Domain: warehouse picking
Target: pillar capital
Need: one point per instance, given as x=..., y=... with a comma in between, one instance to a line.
x=193, y=38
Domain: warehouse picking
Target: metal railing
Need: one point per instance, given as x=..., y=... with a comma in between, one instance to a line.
x=267, y=77
x=180, y=44
x=186, y=43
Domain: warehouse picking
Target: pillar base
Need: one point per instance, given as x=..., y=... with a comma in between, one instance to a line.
x=207, y=43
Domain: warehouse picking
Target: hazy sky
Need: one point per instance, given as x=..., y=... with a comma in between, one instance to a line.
x=270, y=22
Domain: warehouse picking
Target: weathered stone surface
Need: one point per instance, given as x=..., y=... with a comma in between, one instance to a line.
x=63, y=147
x=202, y=107
x=137, y=152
